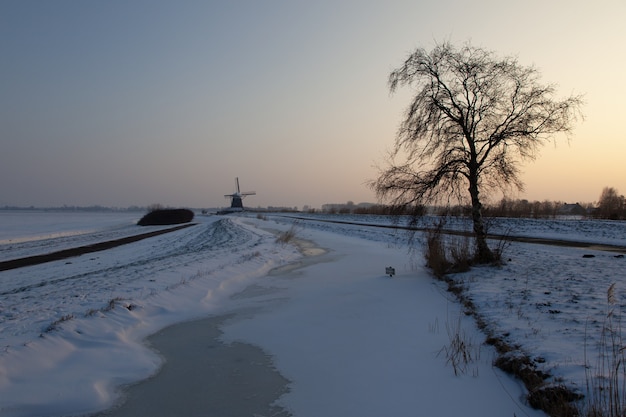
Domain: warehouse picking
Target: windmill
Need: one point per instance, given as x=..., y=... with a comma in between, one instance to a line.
x=236, y=199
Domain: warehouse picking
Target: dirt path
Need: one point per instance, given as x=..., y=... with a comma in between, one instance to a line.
x=81, y=250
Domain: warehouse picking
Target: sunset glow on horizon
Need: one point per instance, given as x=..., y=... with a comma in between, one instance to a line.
x=124, y=103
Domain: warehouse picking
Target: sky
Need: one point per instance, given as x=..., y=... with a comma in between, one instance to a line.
x=122, y=103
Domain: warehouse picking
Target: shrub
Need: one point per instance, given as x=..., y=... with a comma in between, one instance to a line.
x=460, y=253
x=160, y=217
x=435, y=254
x=452, y=254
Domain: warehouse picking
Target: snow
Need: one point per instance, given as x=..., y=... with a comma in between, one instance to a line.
x=350, y=340
x=25, y=225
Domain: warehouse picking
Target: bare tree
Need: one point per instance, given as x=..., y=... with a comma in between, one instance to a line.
x=611, y=205
x=474, y=118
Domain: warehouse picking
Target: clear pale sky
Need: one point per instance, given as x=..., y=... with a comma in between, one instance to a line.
x=120, y=103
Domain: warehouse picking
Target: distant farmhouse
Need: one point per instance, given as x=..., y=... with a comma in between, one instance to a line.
x=572, y=210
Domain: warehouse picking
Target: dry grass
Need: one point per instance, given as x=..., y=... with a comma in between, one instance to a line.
x=447, y=254
x=461, y=351
x=55, y=324
x=606, y=388
x=287, y=236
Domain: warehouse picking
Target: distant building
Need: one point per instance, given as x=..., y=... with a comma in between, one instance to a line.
x=572, y=210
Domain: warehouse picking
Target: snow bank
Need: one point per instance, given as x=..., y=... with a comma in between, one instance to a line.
x=350, y=340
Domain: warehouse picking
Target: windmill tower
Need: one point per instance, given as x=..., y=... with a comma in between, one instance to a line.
x=236, y=199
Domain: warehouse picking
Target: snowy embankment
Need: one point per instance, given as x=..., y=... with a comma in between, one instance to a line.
x=71, y=330
x=550, y=302
x=350, y=340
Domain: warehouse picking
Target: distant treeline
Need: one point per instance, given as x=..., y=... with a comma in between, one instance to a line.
x=537, y=209
x=610, y=206
x=75, y=208
x=362, y=208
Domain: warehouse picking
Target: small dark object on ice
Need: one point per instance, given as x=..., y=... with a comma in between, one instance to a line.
x=390, y=271
x=621, y=255
x=589, y=256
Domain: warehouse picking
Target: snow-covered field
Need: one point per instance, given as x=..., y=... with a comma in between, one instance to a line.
x=71, y=330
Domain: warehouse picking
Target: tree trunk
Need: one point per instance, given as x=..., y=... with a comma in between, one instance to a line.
x=483, y=253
